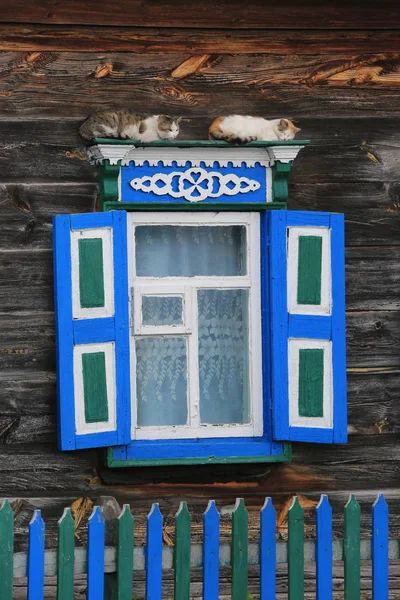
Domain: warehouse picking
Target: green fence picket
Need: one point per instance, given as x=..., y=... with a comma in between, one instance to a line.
x=182, y=553
x=65, y=557
x=296, y=551
x=125, y=554
x=239, y=556
x=351, y=549
x=6, y=550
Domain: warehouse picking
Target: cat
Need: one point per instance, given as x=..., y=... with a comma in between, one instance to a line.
x=238, y=129
x=123, y=124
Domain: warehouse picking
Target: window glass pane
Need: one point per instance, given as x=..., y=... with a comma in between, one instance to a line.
x=184, y=251
x=161, y=381
x=223, y=356
x=162, y=310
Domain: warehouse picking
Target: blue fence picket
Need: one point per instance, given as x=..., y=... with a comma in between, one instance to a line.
x=154, y=554
x=380, y=549
x=211, y=552
x=95, y=556
x=35, y=568
x=268, y=551
x=323, y=550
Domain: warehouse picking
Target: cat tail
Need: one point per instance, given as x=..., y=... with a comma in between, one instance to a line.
x=86, y=130
x=215, y=132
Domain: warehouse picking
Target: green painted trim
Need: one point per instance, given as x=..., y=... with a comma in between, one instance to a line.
x=351, y=549
x=6, y=550
x=196, y=143
x=286, y=456
x=309, y=270
x=239, y=551
x=280, y=174
x=108, y=183
x=65, y=557
x=124, y=554
x=91, y=278
x=95, y=387
x=296, y=551
x=130, y=206
x=311, y=382
x=183, y=522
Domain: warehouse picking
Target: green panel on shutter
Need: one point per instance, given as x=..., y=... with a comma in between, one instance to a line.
x=95, y=387
x=309, y=269
x=311, y=382
x=91, y=279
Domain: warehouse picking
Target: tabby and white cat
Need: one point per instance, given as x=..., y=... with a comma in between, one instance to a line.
x=123, y=124
x=238, y=129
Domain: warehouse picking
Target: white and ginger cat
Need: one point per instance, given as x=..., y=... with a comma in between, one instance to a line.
x=237, y=129
x=123, y=124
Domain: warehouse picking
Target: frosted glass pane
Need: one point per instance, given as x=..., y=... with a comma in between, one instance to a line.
x=223, y=356
x=162, y=310
x=183, y=251
x=161, y=381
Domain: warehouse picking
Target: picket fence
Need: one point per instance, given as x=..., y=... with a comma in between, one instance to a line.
x=154, y=557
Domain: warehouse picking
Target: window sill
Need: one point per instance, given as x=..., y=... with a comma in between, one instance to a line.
x=249, y=451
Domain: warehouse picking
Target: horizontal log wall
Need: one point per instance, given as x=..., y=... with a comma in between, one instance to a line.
x=336, y=71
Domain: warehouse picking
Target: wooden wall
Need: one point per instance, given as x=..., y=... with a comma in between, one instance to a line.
x=336, y=70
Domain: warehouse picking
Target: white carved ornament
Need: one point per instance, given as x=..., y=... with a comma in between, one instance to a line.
x=195, y=184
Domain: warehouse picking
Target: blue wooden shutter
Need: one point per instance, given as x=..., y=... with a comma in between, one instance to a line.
x=308, y=326
x=92, y=327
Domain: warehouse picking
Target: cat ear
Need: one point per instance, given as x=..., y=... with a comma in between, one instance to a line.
x=282, y=125
x=178, y=119
x=297, y=129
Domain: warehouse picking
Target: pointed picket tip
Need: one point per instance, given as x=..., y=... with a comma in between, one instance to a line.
x=182, y=508
x=125, y=514
x=5, y=504
x=268, y=507
x=96, y=516
x=239, y=505
x=5, y=508
x=324, y=503
x=211, y=508
x=352, y=503
x=66, y=517
x=295, y=508
x=36, y=518
x=380, y=502
x=155, y=512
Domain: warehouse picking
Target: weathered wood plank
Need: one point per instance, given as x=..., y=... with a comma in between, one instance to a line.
x=42, y=468
x=51, y=151
x=372, y=401
x=371, y=209
x=367, y=132
x=26, y=279
x=372, y=404
x=197, y=95
x=27, y=340
x=373, y=408
x=315, y=164
x=26, y=211
x=373, y=339
x=209, y=14
x=27, y=393
x=373, y=278
x=63, y=38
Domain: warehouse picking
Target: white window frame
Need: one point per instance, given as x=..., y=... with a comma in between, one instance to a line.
x=187, y=287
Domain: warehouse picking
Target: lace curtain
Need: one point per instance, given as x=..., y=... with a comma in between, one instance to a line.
x=223, y=338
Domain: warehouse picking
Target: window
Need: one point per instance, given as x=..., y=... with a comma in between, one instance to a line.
x=196, y=336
